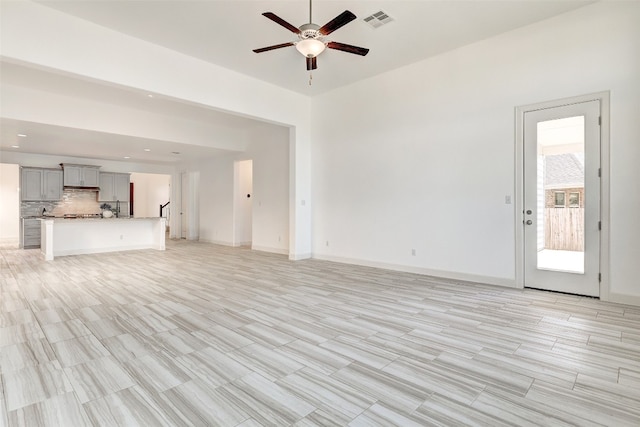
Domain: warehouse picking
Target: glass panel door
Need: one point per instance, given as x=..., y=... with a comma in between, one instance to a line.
x=562, y=198
x=560, y=206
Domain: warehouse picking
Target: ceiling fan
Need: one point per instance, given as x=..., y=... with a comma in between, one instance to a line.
x=311, y=37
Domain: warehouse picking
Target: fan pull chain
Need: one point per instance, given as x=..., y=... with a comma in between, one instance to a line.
x=310, y=77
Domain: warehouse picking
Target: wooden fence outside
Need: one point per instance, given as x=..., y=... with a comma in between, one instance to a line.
x=564, y=229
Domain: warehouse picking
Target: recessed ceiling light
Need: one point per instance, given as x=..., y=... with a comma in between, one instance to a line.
x=22, y=135
x=127, y=157
x=15, y=146
x=147, y=149
x=150, y=96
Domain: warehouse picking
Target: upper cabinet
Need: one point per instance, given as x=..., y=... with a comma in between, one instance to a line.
x=114, y=187
x=121, y=183
x=52, y=184
x=41, y=184
x=80, y=175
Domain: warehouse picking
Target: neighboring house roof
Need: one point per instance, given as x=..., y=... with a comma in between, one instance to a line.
x=564, y=171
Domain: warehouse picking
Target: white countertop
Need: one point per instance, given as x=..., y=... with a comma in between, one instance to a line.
x=98, y=219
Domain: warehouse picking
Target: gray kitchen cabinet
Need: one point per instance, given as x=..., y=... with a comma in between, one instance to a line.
x=31, y=186
x=41, y=184
x=52, y=183
x=30, y=236
x=121, y=184
x=114, y=186
x=80, y=175
x=106, y=193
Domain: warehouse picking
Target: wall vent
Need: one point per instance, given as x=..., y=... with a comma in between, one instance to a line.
x=378, y=19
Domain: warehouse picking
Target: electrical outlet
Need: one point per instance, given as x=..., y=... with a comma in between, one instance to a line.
x=413, y=252
x=327, y=243
x=507, y=200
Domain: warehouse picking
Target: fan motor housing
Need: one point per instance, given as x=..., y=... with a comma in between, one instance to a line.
x=309, y=31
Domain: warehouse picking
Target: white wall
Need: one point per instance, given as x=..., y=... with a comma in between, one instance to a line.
x=423, y=157
x=149, y=192
x=271, y=197
x=9, y=204
x=216, y=199
x=268, y=148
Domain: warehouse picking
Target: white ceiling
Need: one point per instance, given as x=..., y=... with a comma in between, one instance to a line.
x=73, y=142
x=567, y=131
x=225, y=32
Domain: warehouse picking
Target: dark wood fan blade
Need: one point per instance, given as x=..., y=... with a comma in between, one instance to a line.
x=339, y=21
x=275, y=18
x=312, y=63
x=275, y=46
x=348, y=48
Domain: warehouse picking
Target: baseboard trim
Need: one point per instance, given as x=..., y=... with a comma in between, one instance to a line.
x=452, y=275
x=298, y=257
x=216, y=242
x=9, y=243
x=246, y=244
x=623, y=299
x=278, y=251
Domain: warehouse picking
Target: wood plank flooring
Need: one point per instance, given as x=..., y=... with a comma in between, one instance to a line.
x=205, y=335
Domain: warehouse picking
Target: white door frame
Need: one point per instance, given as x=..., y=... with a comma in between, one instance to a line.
x=175, y=227
x=520, y=111
x=184, y=202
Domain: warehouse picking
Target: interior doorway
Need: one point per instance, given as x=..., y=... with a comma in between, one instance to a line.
x=243, y=203
x=561, y=199
x=132, y=195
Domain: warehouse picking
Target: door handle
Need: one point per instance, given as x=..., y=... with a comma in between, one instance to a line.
x=529, y=222
x=529, y=212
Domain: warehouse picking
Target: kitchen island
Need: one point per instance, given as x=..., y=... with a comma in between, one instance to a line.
x=77, y=236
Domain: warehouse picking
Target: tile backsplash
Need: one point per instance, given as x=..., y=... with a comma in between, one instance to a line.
x=74, y=201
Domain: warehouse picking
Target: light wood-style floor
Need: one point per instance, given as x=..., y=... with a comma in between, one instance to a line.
x=207, y=335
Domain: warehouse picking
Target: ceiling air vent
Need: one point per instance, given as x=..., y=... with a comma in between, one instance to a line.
x=378, y=19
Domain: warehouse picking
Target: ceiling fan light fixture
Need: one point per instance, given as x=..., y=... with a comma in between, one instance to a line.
x=310, y=48
x=311, y=37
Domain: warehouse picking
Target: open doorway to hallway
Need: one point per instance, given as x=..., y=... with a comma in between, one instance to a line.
x=150, y=192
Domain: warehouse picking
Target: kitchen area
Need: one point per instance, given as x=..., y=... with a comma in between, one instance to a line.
x=76, y=209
